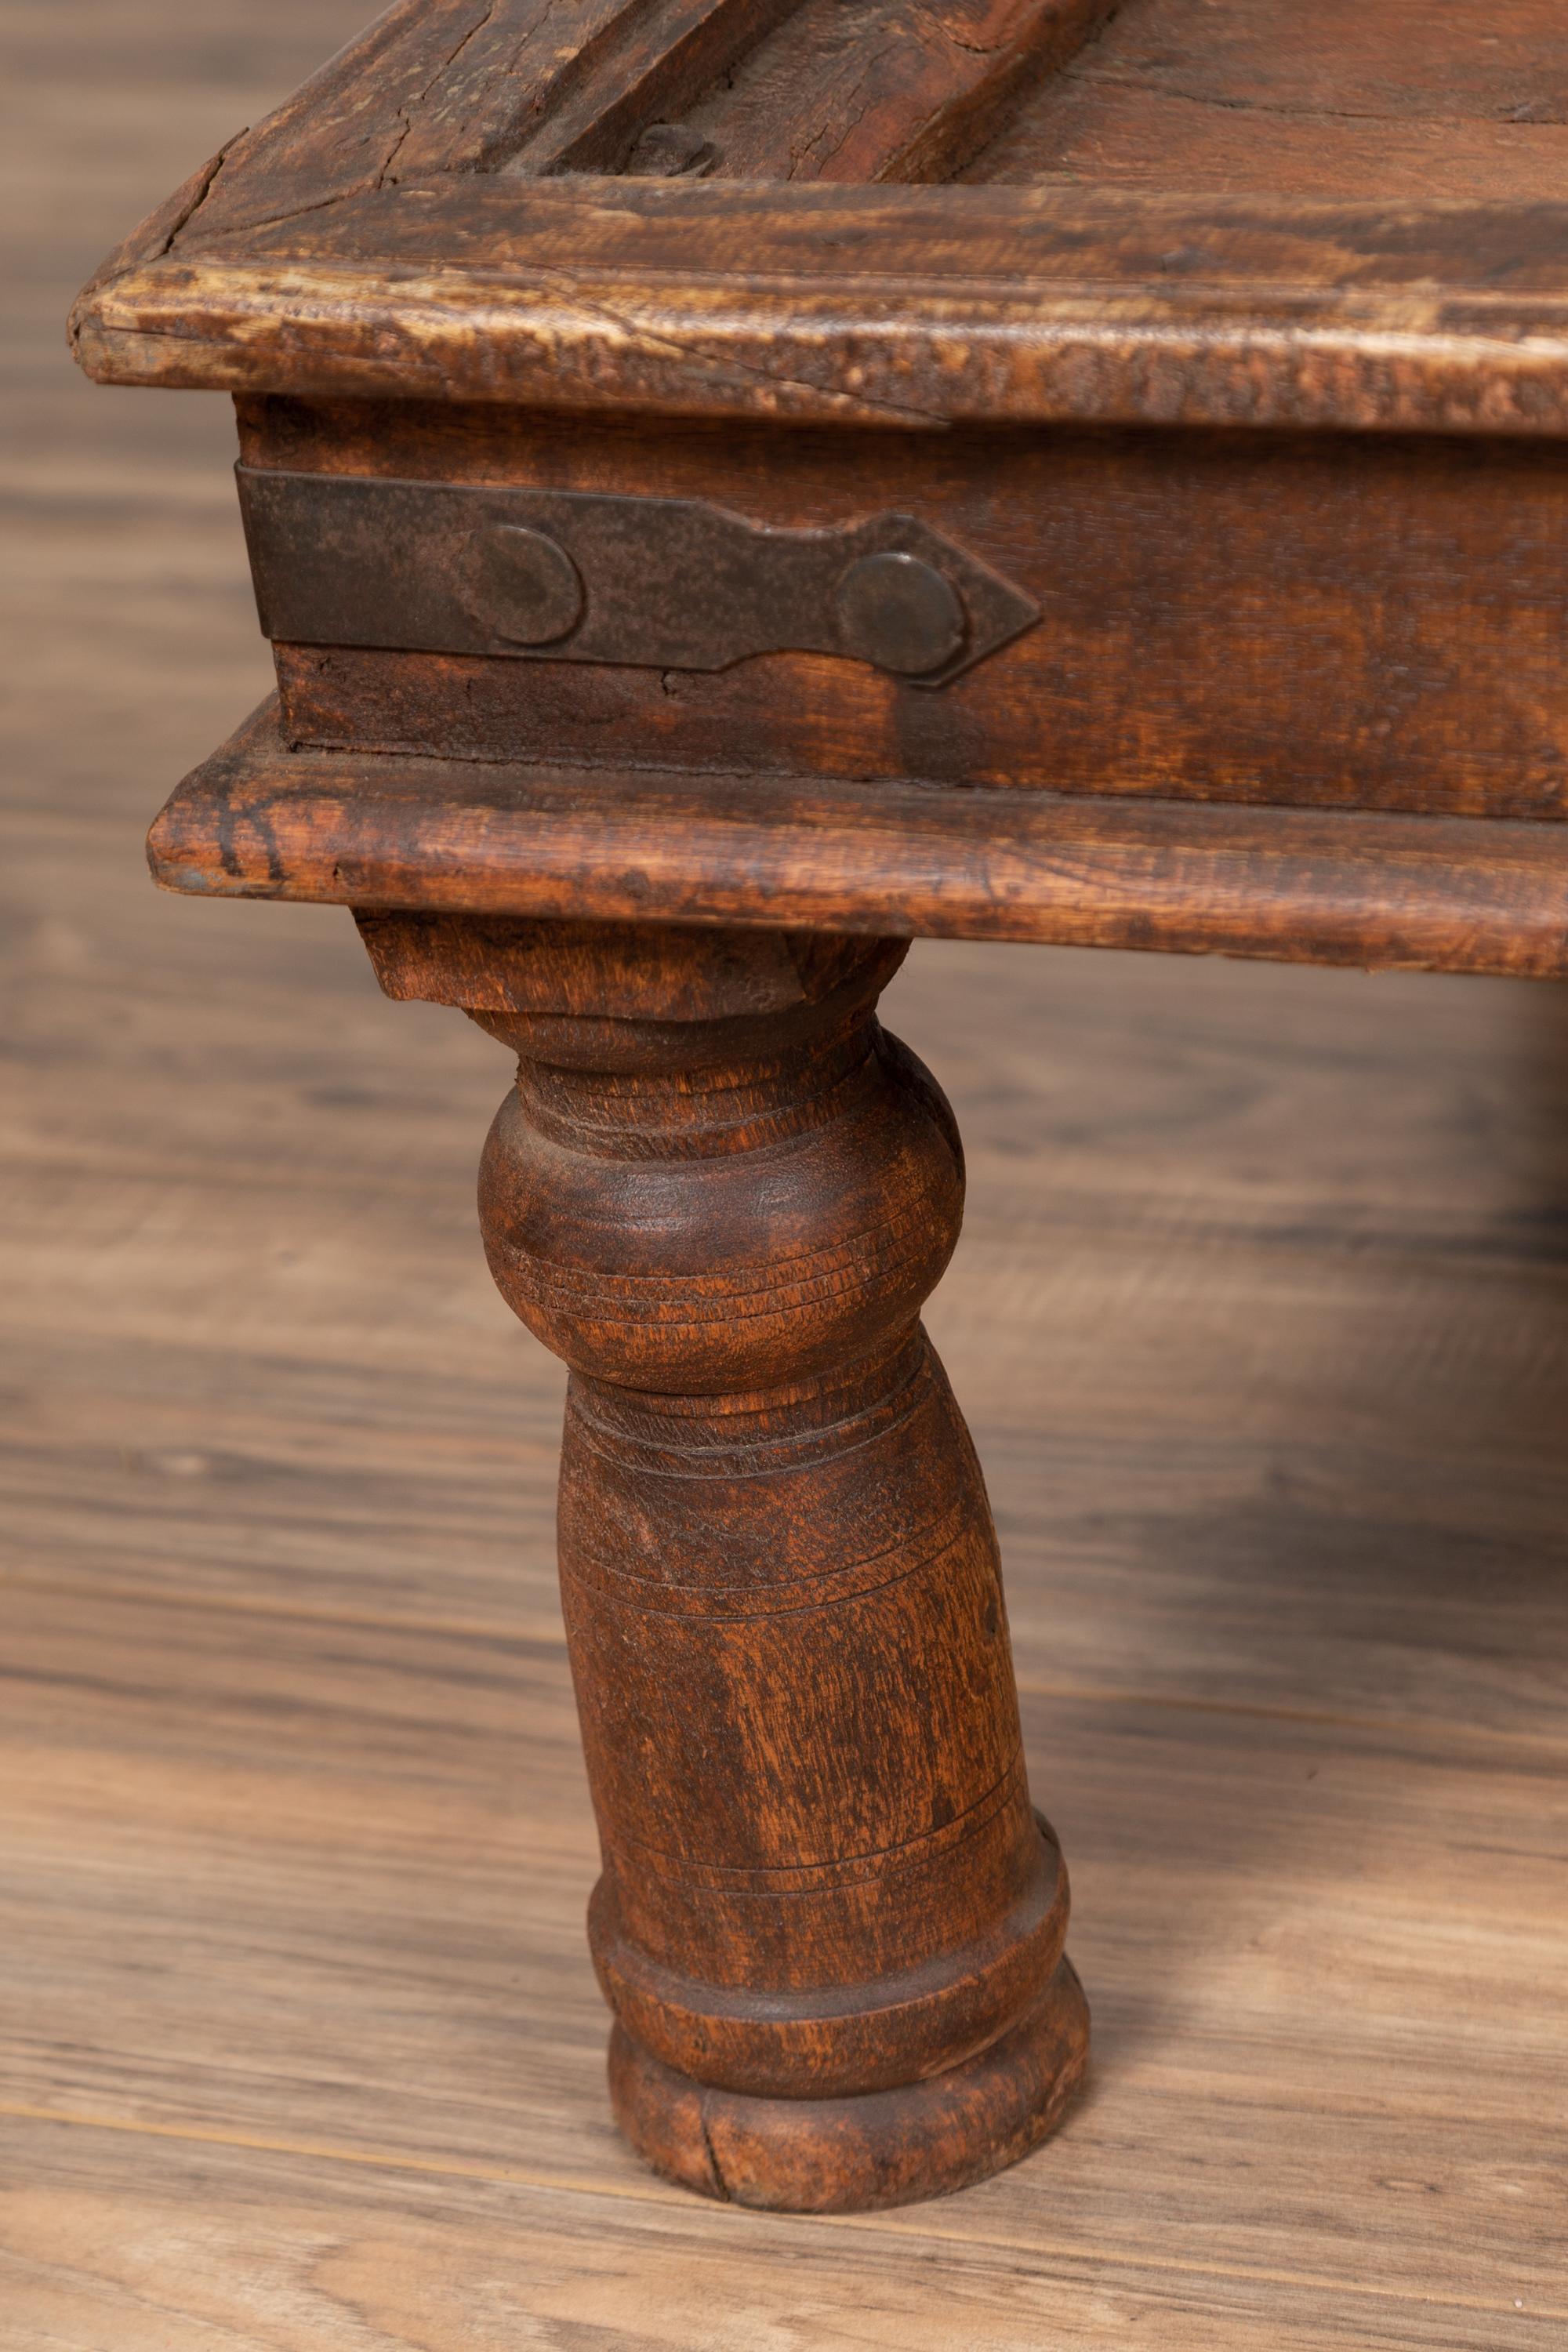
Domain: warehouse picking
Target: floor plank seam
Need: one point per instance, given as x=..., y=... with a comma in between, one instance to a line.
x=919, y=2226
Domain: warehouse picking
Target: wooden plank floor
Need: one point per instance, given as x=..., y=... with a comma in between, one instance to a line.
x=1261, y=1319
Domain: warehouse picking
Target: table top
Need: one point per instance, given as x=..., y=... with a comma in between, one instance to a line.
x=1291, y=687
x=906, y=212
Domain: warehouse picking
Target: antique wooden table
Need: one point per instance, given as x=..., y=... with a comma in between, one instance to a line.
x=733, y=484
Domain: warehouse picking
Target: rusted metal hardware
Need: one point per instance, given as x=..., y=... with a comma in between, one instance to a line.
x=671, y=151
x=562, y=575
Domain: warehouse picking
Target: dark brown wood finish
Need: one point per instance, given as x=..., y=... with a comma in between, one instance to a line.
x=1467, y=100
x=372, y=235
x=258, y=821
x=829, y=1925
x=1276, y=458
x=1223, y=617
x=857, y=90
x=902, y=306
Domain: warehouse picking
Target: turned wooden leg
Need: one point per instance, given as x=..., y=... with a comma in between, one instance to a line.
x=829, y=1925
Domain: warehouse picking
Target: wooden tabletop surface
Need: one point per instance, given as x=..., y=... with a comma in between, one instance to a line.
x=1261, y=1322
x=1181, y=212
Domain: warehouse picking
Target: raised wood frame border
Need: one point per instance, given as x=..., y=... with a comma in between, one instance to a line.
x=910, y=306
x=388, y=231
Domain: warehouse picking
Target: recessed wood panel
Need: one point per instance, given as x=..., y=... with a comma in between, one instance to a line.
x=1344, y=97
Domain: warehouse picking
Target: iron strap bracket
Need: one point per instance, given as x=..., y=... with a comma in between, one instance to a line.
x=569, y=575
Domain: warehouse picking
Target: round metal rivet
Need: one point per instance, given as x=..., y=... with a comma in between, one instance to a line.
x=899, y=613
x=522, y=585
x=671, y=151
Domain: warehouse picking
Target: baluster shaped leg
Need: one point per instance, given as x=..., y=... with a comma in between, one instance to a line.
x=829, y=1925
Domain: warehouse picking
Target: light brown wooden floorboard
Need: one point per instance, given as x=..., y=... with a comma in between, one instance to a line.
x=217, y=2248
x=280, y=1377
x=327, y=1894
x=1260, y=1321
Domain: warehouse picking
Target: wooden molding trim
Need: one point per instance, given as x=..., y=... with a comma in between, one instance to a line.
x=1298, y=886
x=907, y=306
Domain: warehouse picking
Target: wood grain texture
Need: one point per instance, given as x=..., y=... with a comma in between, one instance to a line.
x=886, y=305
x=1293, y=1688
x=1372, y=623
x=258, y=821
x=341, y=2048
x=370, y=2256
x=883, y=89
x=582, y=108
x=1296, y=1685
x=372, y=235
x=431, y=86
x=1247, y=96
x=829, y=1925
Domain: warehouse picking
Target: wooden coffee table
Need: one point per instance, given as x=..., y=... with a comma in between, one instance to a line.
x=733, y=486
